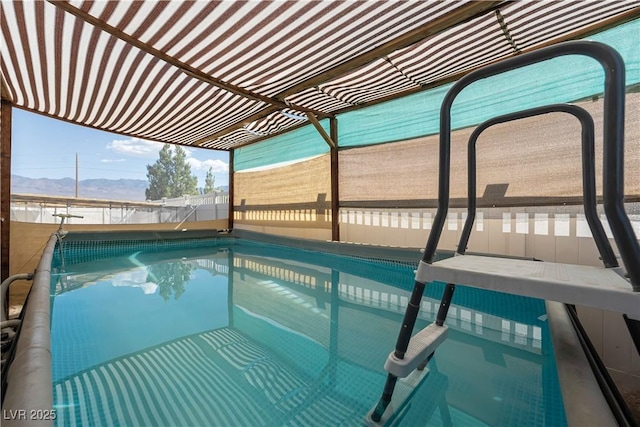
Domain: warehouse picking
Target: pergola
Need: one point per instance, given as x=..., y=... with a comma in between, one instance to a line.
x=224, y=74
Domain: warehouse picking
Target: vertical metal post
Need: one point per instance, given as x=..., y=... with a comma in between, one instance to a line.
x=335, y=193
x=445, y=302
x=409, y=321
x=231, y=189
x=5, y=187
x=332, y=142
x=76, y=175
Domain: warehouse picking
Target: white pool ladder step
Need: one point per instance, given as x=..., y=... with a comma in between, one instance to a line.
x=421, y=346
x=598, y=287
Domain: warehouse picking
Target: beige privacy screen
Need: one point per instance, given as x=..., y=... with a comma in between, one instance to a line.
x=522, y=163
x=298, y=192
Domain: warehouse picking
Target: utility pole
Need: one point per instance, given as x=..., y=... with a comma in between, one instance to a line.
x=76, y=175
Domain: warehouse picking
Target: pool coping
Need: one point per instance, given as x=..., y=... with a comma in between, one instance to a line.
x=583, y=400
x=142, y=235
x=394, y=253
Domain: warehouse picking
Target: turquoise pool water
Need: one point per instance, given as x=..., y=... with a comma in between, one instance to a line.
x=238, y=333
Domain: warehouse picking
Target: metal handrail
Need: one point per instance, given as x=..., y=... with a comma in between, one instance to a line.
x=613, y=176
x=588, y=174
x=613, y=139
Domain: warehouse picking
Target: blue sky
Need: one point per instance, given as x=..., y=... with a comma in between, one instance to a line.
x=46, y=148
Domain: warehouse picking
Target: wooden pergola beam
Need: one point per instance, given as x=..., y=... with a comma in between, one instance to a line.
x=463, y=13
x=5, y=93
x=277, y=102
x=321, y=130
x=579, y=34
x=627, y=16
x=257, y=116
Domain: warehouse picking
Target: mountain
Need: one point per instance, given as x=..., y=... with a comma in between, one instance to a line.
x=107, y=189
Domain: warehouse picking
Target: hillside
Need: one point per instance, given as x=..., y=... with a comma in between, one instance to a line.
x=108, y=189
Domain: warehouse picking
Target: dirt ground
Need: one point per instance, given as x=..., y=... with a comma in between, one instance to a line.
x=633, y=401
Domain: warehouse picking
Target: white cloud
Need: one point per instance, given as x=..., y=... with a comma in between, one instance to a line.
x=112, y=160
x=135, y=147
x=217, y=166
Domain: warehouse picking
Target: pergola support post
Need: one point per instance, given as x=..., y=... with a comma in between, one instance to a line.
x=332, y=140
x=5, y=186
x=335, y=199
x=231, y=189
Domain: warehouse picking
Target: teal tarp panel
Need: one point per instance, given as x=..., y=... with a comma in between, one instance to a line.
x=298, y=144
x=562, y=79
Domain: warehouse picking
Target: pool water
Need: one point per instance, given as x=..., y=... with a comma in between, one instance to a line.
x=251, y=334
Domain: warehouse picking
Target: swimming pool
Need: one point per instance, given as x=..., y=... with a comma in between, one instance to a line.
x=234, y=332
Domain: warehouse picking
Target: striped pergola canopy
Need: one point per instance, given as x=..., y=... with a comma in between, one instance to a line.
x=222, y=74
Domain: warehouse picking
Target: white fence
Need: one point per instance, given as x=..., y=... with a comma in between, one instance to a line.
x=41, y=209
x=509, y=231
x=215, y=198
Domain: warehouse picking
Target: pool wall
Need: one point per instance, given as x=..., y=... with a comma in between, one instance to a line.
x=30, y=376
x=29, y=399
x=28, y=240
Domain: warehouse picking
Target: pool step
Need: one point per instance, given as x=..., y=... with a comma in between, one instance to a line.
x=421, y=346
x=404, y=394
x=598, y=287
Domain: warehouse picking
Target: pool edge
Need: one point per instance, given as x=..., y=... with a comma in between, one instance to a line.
x=582, y=397
x=27, y=402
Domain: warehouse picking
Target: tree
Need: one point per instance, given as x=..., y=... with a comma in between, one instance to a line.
x=209, y=181
x=170, y=176
x=170, y=278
